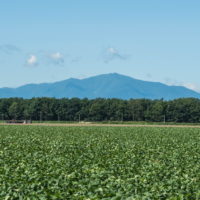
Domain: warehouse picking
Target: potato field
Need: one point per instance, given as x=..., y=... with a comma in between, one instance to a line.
x=133, y=163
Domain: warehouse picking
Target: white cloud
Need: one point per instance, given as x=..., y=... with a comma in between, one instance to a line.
x=111, y=50
x=192, y=86
x=45, y=59
x=56, y=55
x=56, y=58
x=112, y=53
x=32, y=60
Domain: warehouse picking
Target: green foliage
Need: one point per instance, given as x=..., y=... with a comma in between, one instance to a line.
x=50, y=109
x=99, y=163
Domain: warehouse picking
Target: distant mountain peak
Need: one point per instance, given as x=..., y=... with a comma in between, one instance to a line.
x=111, y=85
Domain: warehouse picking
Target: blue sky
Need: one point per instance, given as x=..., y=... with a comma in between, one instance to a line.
x=52, y=40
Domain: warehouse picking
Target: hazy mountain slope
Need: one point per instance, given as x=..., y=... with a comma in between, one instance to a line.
x=106, y=86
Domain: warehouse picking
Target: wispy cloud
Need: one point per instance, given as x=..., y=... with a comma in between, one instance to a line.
x=112, y=53
x=9, y=49
x=56, y=58
x=191, y=86
x=148, y=76
x=32, y=60
x=75, y=59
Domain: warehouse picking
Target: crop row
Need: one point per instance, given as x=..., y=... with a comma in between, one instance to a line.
x=99, y=163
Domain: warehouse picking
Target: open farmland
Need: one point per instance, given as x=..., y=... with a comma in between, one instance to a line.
x=99, y=163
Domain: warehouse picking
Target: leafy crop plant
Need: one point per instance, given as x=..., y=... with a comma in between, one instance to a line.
x=90, y=163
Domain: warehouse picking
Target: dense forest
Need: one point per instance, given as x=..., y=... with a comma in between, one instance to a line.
x=178, y=110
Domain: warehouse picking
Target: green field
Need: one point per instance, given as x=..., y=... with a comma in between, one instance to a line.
x=138, y=163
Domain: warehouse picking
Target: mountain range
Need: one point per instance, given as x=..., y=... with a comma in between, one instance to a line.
x=105, y=86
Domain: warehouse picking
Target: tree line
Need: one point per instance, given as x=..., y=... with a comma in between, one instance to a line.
x=51, y=109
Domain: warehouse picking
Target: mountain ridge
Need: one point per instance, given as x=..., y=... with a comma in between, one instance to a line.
x=111, y=85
